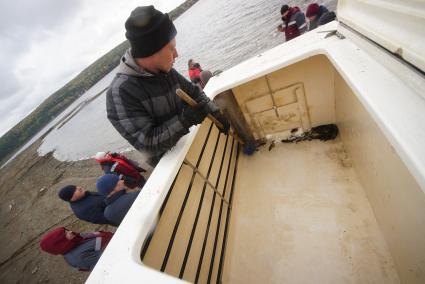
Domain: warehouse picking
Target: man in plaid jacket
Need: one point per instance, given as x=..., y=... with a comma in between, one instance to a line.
x=141, y=102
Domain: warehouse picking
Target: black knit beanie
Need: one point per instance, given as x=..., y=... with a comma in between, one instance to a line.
x=67, y=192
x=148, y=30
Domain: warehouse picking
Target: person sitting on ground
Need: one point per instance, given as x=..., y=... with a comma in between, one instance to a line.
x=294, y=23
x=318, y=15
x=86, y=205
x=194, y=71
x=114, y=163
x=141, y=101
x=118, y=200
x=80, y=250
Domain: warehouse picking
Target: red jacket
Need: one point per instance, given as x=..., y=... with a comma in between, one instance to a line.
x=294, y=23
x=194, y=74
x=119, y=164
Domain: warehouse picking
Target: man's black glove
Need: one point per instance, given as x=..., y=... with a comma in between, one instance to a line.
x=193, y=115
x=223, y=120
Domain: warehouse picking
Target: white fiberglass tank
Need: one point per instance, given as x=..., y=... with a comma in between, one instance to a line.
x=350, y=210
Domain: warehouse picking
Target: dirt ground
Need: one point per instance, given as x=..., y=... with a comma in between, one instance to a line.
x=30, y=207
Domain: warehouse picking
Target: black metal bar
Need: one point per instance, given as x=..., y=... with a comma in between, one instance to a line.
x=145, y=246
x=198, y=211
x=169, y=193
x=148, y=239
x=173, y=235
x=201, y=257
x=219, y=215
x=229, y=212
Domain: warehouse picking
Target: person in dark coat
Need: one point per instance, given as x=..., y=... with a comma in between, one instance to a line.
x=80, y=250
x=118, y=200
x=294, y=23
x=318, y=15
x=141, y=102
x=86, y=205
x=327, y=18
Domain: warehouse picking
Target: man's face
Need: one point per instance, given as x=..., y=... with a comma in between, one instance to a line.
x=78, y=194
x=311, y=18
x=164, y=58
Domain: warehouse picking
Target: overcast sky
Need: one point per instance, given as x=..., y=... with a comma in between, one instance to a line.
x=45, y=43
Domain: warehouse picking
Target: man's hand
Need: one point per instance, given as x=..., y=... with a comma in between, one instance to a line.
x=223, y=120
x=193, y=115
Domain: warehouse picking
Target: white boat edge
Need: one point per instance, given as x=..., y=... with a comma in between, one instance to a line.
x=399, y=119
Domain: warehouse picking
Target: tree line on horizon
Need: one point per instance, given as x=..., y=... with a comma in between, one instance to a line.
x=56, y=103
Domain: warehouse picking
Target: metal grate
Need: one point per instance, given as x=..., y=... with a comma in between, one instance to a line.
x=190, y=239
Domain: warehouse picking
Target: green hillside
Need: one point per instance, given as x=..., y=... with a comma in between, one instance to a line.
x=16, y=137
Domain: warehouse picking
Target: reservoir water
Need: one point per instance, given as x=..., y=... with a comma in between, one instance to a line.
x=216, y=33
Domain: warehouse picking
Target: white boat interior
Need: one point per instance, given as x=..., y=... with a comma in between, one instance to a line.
x=348, y=210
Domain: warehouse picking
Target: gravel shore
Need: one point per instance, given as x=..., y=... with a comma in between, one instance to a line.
x=30, y=206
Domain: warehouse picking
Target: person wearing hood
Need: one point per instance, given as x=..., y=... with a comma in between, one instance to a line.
x=141, y=101
x=294, y=23
x=194, y=71
x=86, y=205
x=118, y=200
x=318, y=15
x=80, y=250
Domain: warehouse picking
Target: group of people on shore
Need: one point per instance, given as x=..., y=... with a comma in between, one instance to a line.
x=107, y=206
x=295, y=23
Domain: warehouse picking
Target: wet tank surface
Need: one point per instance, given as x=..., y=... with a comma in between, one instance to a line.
x=300, y=215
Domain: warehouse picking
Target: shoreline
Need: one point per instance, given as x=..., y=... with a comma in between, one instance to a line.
x=29, y=186
x=30, y=206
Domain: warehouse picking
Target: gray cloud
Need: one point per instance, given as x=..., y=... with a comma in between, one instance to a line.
x=9, y=52
x=45, y=43
x=22, y=17
x=22, y=22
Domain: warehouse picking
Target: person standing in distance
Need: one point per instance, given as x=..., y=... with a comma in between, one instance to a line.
x=294, y=23
x=141, y=101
